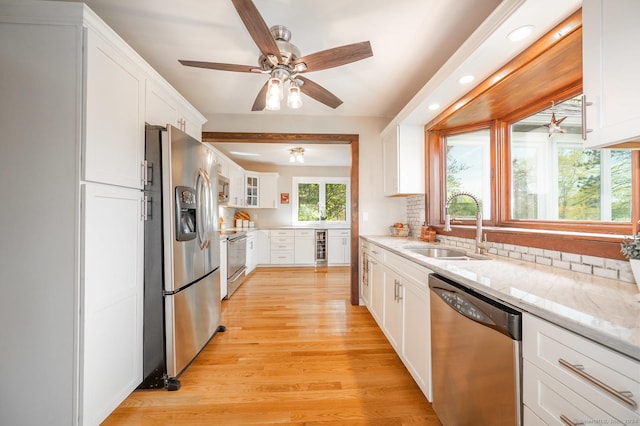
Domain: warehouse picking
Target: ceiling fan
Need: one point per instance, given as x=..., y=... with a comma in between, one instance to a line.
x=282, y=61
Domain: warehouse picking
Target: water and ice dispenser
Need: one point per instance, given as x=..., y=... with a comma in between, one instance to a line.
x=186, y=209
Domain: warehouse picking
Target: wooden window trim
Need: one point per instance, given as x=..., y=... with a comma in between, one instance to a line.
x=596, y=238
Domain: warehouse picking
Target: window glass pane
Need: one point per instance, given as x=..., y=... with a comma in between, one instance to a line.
x=336, y=197
x=553, y=178
x=469, y=170
x=308, y=201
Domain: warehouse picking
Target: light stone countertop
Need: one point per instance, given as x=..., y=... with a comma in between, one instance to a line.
x=601, y=309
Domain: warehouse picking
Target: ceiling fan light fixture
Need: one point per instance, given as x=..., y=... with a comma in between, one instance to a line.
x=294, y=99
x=300, y=67
x=296, y=155
x=273, y=94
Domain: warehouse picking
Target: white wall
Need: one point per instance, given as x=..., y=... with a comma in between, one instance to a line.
x=379, y=210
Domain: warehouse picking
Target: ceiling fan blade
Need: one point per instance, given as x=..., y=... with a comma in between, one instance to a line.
x=319, y=93
x=257, y=28
x=335, y=57
x=217, y=66
x=261, y=99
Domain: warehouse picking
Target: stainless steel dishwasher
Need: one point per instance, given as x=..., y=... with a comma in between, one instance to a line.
x=476, y=357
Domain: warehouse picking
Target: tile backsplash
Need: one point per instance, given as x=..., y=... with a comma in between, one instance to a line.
x=415, y=214
x=598, y=266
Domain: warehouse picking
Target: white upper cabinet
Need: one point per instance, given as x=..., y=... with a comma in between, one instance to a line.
x=114, y=126
x=164, y=107
x=236, y=185
x=251, y=189
x=403, y=160
x=268, y=191
x=611, y=61
x=261, y=190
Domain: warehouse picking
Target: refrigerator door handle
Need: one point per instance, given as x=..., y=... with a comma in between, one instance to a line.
x=200, y=206
x=210, y=212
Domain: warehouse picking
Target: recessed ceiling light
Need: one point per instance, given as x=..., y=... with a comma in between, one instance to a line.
x=520, y=33
x=434, y=107
x=466, y=79
x=244, y=154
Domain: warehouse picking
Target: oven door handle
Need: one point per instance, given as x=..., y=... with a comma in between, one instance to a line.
x=238, y=240
x=237, y=274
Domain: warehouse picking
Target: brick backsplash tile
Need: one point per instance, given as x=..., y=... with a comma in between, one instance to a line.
x=552, y=254
x=536, y=251
x=595, y=261
x=605, y=273
x=579, y=267
x=543, y=260
x=571, y=257
x=561, y=264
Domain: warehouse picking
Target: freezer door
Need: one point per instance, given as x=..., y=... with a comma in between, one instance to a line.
x=192, y=316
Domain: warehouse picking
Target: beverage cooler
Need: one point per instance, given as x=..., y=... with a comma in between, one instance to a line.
x=321, y=247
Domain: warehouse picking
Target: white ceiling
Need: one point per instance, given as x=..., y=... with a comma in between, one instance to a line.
x=416, y=45
x=410, y=40
x=315, y=155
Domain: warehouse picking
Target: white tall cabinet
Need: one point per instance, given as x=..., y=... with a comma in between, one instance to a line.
x=72, y=112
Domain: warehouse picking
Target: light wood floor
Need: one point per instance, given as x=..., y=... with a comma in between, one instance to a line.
x=295, y=353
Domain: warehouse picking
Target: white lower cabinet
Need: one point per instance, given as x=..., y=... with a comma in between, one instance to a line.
x=393, y=304
x=416, y=337
x=252, y=251
x=339, y=246
x=282, y=246
x=376, y=281
x=365, y=273
x=264, y=247
x=111, y=350
x=399, y=302
x=304, y=242
x=569, y=379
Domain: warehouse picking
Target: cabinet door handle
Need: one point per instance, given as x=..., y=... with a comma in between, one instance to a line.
x=585, y=104
x=399, y=291
x=624, y=396
x=564, y=419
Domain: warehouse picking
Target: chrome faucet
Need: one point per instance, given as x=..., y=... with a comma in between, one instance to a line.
x=480, y=246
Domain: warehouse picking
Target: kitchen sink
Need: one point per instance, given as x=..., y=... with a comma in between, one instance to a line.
x=445, y=253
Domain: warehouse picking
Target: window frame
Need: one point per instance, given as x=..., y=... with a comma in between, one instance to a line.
x=501, y=180
x=322, y=181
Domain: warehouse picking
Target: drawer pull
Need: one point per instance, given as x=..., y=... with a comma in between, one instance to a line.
x=624, y=396
x=568, y=422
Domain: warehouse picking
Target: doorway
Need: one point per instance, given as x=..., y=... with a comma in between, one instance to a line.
x=313, y=138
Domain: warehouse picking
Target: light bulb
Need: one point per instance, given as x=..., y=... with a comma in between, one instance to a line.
x=294, y=100
x=273, y=95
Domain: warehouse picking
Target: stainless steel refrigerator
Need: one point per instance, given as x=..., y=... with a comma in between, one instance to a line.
x=182, y=258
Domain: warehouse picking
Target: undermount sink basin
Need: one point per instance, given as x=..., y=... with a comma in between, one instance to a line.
x=445, y=253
